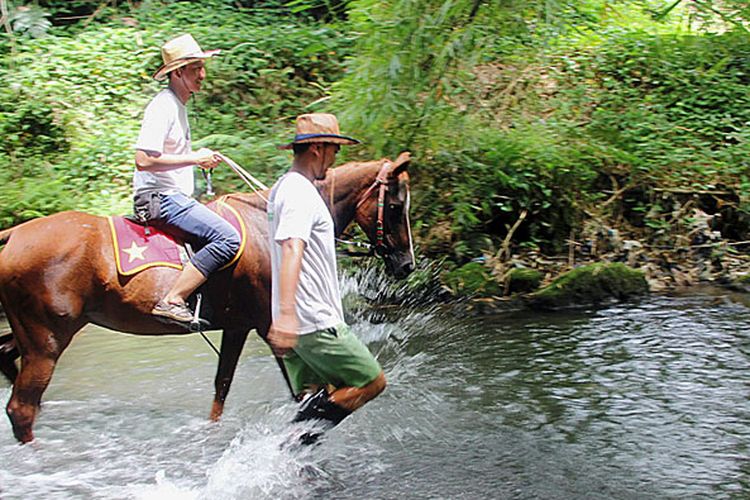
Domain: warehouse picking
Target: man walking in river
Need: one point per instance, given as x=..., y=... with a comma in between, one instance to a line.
x=329, y=368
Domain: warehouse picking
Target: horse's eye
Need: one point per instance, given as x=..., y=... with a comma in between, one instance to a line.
x=394, y=213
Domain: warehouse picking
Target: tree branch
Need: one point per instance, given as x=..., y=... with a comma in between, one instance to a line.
x=5, y=17
x=5, y=21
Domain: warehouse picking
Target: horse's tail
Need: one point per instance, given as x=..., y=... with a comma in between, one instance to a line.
x=8, y=355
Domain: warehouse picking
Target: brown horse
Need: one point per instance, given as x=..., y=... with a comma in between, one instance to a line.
x=58, y=273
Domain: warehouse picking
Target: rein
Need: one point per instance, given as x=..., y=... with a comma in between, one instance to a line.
x=380, y=182
x=251, y=181
x=358, y=244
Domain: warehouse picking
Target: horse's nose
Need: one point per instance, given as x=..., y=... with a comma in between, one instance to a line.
x=404, y=269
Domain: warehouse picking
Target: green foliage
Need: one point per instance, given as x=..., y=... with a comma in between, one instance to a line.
x=408, y=63
x=472, y=279
x=538, y=108
x=676, y=106
x=78, y=108
x=30, y=20
x=542, y=119
x=73, y=101
x=505, y=172
x=29, y=127
x=24, y=198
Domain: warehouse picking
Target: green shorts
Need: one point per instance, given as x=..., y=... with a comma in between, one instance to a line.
x=332, y=356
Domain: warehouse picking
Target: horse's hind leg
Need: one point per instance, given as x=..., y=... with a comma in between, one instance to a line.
x=40, y=349
x=36, y=372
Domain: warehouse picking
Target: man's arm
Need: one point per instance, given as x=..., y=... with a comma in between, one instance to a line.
x=160, y=162
x=283, y=333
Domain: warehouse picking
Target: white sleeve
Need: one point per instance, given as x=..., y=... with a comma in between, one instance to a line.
x=295, y=219
x=157, y=121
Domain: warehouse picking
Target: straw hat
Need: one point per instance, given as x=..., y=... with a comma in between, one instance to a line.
x=318, y=127
x=179, y=52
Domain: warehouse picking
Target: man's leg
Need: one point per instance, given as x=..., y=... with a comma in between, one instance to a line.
x=219, y=243
x=189, y=280
x=353, y=398
x=339, y=359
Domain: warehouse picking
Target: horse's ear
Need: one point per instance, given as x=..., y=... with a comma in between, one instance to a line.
x=401, y=164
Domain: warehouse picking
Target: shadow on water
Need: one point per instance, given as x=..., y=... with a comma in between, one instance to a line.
x=645, y=400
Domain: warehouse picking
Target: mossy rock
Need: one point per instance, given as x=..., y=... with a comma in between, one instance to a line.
x=741, y=284
x=523, y=279
x=472, y=279
x=591, y=284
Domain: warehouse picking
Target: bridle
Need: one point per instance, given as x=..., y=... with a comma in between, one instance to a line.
x=381, y=184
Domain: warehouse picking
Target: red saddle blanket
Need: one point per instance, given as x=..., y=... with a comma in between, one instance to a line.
x=140, y=247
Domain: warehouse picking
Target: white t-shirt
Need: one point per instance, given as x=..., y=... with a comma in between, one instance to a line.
x=296, y=210
x=165, y=129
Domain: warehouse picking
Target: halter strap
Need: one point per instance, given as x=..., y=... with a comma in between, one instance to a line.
x=333, y=186
x=380, y=182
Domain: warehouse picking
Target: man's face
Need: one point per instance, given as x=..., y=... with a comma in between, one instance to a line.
x=193, y=75
x=328, y=158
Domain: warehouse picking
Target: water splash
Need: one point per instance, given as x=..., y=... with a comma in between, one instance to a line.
x=258, y=465
x=164, y=489
x=371, y=285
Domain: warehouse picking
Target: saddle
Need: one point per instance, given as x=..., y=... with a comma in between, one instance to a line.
x=139, y=247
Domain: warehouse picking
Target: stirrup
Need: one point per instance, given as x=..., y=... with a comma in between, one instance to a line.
x=178, y=314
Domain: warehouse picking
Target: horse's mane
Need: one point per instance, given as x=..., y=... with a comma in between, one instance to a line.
x=346, y=170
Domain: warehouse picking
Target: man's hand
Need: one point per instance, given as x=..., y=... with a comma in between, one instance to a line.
x=206, y=158
x=283, y=335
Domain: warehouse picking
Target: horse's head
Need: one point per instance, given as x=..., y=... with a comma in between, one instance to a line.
x=383, y=214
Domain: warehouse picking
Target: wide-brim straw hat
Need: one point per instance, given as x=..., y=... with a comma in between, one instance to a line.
x=179, y=52
x=318, y=127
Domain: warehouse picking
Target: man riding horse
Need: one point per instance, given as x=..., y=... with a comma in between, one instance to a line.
x=163, y=179
x=60, y=272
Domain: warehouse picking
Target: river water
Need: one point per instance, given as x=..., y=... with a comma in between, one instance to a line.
x=643, y=400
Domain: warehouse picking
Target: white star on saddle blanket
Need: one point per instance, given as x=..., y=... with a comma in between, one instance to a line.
x=135, y=252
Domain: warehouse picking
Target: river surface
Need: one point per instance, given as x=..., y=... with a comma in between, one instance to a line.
x=641, y=400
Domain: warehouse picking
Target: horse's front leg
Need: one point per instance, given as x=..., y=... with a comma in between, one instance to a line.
x=232, y=342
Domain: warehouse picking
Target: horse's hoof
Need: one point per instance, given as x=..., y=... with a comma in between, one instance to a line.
x=25, y=436
x=216, y=410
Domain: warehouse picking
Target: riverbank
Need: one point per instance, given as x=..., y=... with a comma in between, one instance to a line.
x=603, y=266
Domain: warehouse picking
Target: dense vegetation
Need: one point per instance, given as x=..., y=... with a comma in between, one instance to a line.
x=527, y=120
